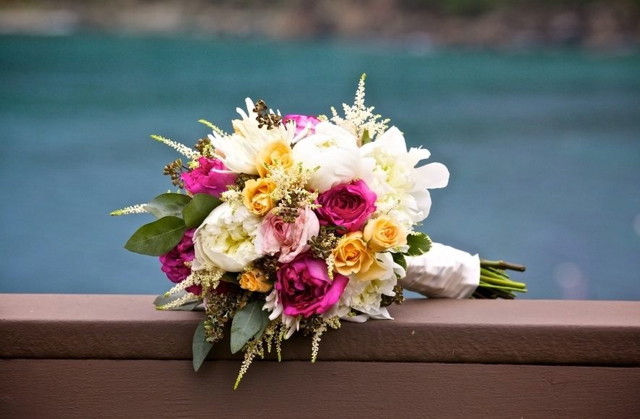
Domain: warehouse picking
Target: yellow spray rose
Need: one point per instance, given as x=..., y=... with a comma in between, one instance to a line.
x=255, y=280
x=275, y=153
x=256, y=195
x=351, y=255
x=384, y=233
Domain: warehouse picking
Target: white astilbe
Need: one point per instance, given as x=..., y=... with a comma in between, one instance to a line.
x=180, y=148
x=133, y=209
x=213, y=128
x=359, y=118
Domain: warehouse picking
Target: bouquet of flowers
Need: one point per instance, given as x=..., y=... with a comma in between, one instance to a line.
x=297, y=223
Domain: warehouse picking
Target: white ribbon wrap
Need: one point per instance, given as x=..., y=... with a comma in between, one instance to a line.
x=442, y=272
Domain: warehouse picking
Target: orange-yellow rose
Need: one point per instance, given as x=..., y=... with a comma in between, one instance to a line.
x=384, y=233
x=256, y=195
x=255, y=280
x=351, y=255
x=275, y=153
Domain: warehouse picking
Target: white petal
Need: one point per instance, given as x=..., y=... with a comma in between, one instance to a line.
x=432, y=175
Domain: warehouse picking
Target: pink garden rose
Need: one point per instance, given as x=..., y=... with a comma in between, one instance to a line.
x=173, y=263
x=290, y=239
x=304, y=287
x=302, y=121
x=210, y=177
x=347, y=206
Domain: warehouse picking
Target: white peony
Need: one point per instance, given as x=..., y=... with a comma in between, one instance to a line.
x=239, y=150
x=400, y=185
x=226, y=239
x=334, y=151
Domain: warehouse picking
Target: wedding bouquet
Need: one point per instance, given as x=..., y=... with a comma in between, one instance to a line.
x=296, y=223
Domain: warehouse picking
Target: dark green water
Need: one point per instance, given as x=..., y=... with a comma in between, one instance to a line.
x=543, y=149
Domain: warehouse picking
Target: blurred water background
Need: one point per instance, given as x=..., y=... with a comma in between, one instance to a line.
x=543, y=146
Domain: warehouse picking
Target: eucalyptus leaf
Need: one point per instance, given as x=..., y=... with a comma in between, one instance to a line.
x=200, y=347
x=168, y=204
x=265, y=323
x=419, y=243
x=161, y=300
x=199, y=208
x=158, y=237
x=246, y=323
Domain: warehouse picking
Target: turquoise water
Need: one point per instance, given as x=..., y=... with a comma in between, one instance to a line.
x=543, y=148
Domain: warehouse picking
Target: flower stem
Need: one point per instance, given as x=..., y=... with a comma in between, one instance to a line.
x=500, y=264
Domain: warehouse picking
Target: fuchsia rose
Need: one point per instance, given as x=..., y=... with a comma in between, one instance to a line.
x=290, y=239
x=347, y=206
x=302, y=121
x=173, y=263
x=210, y=177
x=304, y=287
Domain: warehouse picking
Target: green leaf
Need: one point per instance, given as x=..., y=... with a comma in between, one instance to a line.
x=230, y=277
x=190, y=305
x=246, y=323
x=168, y=204
x=198, y=209
x=158, y=237
x=200, y=347
x=419, y=243
x=400, y=260
x=365, y=137
x=265, y=323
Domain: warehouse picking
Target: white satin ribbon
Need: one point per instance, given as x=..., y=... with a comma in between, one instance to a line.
x=442, y=272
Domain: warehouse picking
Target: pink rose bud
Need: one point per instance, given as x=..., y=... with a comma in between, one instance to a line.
x=302, y=122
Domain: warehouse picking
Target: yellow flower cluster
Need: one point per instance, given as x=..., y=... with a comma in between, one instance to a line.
x=356, y=251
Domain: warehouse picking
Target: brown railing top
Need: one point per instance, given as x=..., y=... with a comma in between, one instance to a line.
x=603, y=333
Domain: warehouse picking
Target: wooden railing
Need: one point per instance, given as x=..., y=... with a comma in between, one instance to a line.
x=105, y=356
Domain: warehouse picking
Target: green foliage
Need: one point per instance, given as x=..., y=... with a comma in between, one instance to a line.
x=247, y=323
x=400, y=260
x=200, y=347
x=158, y=237
x=163, y=301
x=167, y=204
x=419, y=243
x=365, y=137
x=198, y=209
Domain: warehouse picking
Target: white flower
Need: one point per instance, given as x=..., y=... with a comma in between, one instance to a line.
x=238, y=151
x=334, y=151
x=366, y=296
x=273, y=305
x=225, y=239
x=401, y=187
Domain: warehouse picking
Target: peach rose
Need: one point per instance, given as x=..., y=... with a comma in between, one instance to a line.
x=257, y=195
x=384, y=233
x=351, y=256
x=275, y=153
x=255, y=280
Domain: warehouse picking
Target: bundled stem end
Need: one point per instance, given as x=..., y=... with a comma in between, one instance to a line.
x=495, y=282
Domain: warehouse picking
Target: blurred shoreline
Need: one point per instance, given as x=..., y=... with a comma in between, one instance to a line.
x=591, y=24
